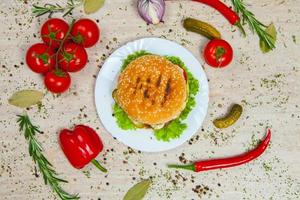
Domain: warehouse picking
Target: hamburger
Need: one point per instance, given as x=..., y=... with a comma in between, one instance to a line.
x=152, y=91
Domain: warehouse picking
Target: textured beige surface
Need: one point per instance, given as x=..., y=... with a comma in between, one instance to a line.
x=267, y=85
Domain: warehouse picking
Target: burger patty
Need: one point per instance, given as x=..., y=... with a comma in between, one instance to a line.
x=152, y=90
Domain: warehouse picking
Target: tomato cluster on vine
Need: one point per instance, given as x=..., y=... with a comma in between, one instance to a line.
x=62, y=51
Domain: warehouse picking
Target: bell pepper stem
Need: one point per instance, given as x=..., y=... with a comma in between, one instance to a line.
x=187, y=167
x=99, y=166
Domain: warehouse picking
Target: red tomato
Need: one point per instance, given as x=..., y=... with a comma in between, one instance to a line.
x=218, y=53
x=40, y=58
x=72, y=57
x=53, y=31
x=57, y=81
x=185, y=75
x=85, y=32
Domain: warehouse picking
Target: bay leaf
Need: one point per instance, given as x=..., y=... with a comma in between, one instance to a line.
x=138, y=191
x=271, y=30
x=25, y=98
x=92, y=6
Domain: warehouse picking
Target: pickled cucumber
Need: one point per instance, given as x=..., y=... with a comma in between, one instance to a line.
x=202, y=28
x=231, y=118
x=114, y=95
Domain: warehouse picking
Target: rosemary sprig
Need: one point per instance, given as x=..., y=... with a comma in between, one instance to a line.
x=49, y=8
x=36, y=152
x=255, y=25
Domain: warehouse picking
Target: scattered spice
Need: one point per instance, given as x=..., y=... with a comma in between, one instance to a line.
x=267, y=167
x=87, y=173
x=294, y=39
x=201, y=190
x=182, y=159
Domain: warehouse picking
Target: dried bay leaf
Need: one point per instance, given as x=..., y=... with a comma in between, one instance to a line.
x=271, y=30
x=138, y=191
x=25, y=98
x=91, y=6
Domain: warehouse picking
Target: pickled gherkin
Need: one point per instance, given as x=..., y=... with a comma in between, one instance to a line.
x=231, y=118
x=203, y=28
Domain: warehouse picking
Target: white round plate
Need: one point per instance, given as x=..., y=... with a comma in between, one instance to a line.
x=143, y=139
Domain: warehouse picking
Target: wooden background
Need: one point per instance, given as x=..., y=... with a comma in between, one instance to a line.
x=267, y=85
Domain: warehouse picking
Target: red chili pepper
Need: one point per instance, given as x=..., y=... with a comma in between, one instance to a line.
x=81, y=146
x=227, y=12
x=227, y=162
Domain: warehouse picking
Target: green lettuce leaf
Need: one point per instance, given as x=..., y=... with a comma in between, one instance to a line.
x=122, y=119
x=132, y=57
x=190, y=104
x=171, y=131
x=193, y=84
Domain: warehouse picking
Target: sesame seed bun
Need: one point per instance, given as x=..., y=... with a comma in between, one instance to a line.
x=152, y=90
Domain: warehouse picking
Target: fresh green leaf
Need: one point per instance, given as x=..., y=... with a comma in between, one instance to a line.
x=271, y=30
x=25, y=98
x=92, y=6
x=123, y=120
x=191, y=103
x=138, y=191
x=132, y=57
x=193, y=84
x=170, y=131
x=177, y=61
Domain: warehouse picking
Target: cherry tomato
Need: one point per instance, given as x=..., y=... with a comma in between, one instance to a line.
x=57, y=81
x=40, y=58
x=218, y=53
x=53, y=31
x=72, y=57
x=85, y=32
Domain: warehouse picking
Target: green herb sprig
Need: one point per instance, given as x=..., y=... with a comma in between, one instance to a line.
x=36, y=152
x=49, y=8
x=255, y=25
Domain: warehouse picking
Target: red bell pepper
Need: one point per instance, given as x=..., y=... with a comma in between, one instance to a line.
x=81, y=146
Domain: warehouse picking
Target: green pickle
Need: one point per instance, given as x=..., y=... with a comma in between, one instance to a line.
x=202, y=28
x=231, y=118
x=114, y=95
